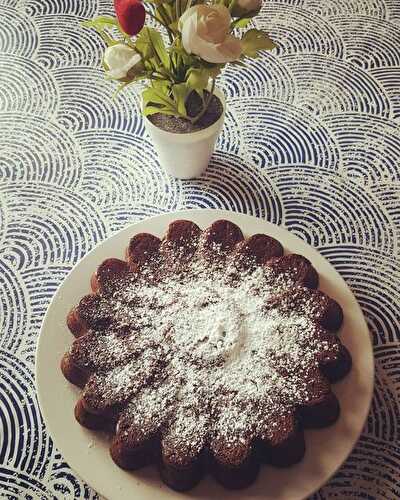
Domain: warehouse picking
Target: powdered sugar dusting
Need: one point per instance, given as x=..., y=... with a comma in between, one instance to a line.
x=104, y=351
x=225, y=361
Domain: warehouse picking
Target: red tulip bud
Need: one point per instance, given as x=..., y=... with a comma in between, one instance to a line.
x=131, y=15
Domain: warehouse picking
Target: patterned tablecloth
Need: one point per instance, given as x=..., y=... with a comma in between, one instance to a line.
x=311, y=141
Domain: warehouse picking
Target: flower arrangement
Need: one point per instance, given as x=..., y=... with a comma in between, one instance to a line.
x=203, y=37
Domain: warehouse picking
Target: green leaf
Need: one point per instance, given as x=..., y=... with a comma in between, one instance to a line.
x=100, y=22
x=152, y=110
x=156, y=96
x=187, y=59
x=159, y=47
x=150, y=44
x=212, y=68
x=255, y=40
x=143, y=45
x=163, y=86
x=126, y=83
x=241, y=23
x=169, y=9
x=198, y=79
x=180, y=92
x=148, y=65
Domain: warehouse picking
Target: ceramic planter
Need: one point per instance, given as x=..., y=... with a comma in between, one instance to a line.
x=186, y=155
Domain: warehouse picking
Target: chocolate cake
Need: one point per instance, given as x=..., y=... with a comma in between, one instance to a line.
x=206, y=352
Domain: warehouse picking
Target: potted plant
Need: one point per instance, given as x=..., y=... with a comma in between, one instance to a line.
x=179, y=62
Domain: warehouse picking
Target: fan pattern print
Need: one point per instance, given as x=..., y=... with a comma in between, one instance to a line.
x=311, y=142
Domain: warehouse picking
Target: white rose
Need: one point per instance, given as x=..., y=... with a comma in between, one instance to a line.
x=205, y=32
x=120, y=59
x=242, y=7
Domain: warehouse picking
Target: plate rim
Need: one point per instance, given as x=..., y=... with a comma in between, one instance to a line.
x=169, y=217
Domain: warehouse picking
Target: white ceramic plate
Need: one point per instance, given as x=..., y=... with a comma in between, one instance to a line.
x=87, y=452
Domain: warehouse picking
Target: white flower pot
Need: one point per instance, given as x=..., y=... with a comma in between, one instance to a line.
x=186, y=155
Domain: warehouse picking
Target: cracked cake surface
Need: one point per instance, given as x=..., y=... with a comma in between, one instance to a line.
x=206, y=352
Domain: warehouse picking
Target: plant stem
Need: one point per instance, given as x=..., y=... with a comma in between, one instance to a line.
x=161, y=69
x=206, y=104
x=126, y=37
x=167, y=22
x=164, y=14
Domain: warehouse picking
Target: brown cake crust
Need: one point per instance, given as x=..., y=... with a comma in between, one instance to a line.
x=219, y=239
x=178, y=475
x=72, y=372
x=297, y=267
x=321, y=412
x=179, y=245
x=336, y=366
x=314, y=304
x=108, y=275
x=93, y=312
x=181, y=236
x=89, y=420
x=121, y=364
x=130, y=453
x=234, y=465
x=141, y=249
x=322, y=408
x=256, y=250
x=282, y=443
x=99, y=396
x=75, y=324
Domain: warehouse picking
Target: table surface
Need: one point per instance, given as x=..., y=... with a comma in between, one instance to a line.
x=311, y=142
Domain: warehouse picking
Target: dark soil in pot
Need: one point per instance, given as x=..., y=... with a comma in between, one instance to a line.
x=194, y=105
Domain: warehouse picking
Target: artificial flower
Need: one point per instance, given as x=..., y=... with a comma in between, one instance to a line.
x=205, y=32
x=131, y=15
x=120, y=60
x=243, y=7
